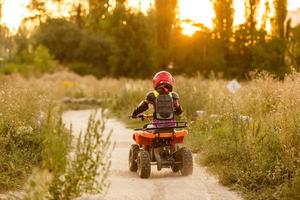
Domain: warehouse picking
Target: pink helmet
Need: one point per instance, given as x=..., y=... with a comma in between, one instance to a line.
x=163, y=77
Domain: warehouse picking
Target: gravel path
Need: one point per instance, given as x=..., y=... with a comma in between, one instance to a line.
x=162, y=185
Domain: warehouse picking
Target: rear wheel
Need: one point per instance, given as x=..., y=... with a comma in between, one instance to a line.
x=144, y=164
x=185, y=157
x=133, y=153
x=175, y=168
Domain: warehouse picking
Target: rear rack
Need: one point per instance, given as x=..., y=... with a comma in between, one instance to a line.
x=177, y=126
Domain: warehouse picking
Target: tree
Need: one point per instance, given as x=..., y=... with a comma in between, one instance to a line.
x=60, y=37
x=265, y=56
x=223, y=27
x=223, y=21
x=165, y=18
x=279, y=25
x=97, y=12
x=38, y=11
x=6, y=42
x=78, y=15
x=1, y=10
x=251, y=11
x=87, y=51
x=280, y=18
x=59, y=3
x=1, y=50
x=265, y=16
x=200, y=53
x=22, y=42
x=295, y=47
x=134, y=50
x=246, y=37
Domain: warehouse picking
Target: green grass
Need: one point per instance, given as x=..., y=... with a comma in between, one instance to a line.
x=35, y=145
x=260, y=157
x=27, y=139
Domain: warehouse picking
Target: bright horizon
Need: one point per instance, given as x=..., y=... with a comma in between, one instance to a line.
x=196, y=11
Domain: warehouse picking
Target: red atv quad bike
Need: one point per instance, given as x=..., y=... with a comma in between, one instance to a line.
x=157, y=145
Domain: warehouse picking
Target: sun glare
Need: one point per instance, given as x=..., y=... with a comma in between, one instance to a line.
x=13, y=13
x=142, y=5
x=190, y=12
x=195, y=11
x=294, y=4
x=188, y=29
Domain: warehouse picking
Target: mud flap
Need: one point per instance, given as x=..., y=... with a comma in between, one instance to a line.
x=158, y=158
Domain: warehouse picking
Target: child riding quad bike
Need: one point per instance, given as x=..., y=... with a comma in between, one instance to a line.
x=157, y=142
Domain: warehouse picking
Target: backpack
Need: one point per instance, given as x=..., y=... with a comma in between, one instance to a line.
x=164, y=109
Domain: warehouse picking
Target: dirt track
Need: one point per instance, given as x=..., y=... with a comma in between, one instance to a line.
x=161, y=185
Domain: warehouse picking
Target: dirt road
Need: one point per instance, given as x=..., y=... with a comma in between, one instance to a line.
x=162, y=185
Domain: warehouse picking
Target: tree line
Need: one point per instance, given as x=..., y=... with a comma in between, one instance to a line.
x=105, y=39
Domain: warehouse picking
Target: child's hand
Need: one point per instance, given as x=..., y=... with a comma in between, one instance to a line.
x=176, y=103
x=133, y=116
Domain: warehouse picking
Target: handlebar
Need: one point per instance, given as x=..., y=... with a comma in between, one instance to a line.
x=143, y=117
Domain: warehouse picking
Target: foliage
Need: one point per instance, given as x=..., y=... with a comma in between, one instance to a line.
x=24, y=141
x=294, y=49
x=258, y=154
x=61, y=37
x=165, y=21
x=35, y=143
x=87, y=169
x=43, y=61
x=223, y=20
x=98, y=10
x=37, y=10
x=134, y=45
x=38, y=62
x=106, y=39
x=36, y=187
x=67, y=43
x=280, y=18
x=199, y=53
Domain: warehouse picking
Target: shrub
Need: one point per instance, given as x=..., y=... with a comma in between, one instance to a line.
x=43, y=61
x=25, y=141
x=88, y=167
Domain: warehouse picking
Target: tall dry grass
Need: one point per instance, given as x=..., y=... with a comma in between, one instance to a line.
x=259, y=154
x=35, y=145
x=30, y=130
x=253, y=139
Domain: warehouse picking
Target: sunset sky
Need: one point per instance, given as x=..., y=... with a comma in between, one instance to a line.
x=198, y=11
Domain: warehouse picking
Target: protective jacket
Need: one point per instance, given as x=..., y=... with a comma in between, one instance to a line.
x=159, y=97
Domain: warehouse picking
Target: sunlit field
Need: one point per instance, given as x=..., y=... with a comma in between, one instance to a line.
x=250, y=138
x=236, y=66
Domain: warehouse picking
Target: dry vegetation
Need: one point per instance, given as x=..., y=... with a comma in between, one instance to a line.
x=250, y=139
x=34, y=143
x=259, y=154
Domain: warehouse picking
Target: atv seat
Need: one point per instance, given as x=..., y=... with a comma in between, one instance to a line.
x=162, y=127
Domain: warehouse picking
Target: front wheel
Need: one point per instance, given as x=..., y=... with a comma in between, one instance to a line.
x=143, y=164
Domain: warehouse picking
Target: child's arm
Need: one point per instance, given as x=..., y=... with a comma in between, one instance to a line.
x=177, y=107
x=144, y=105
